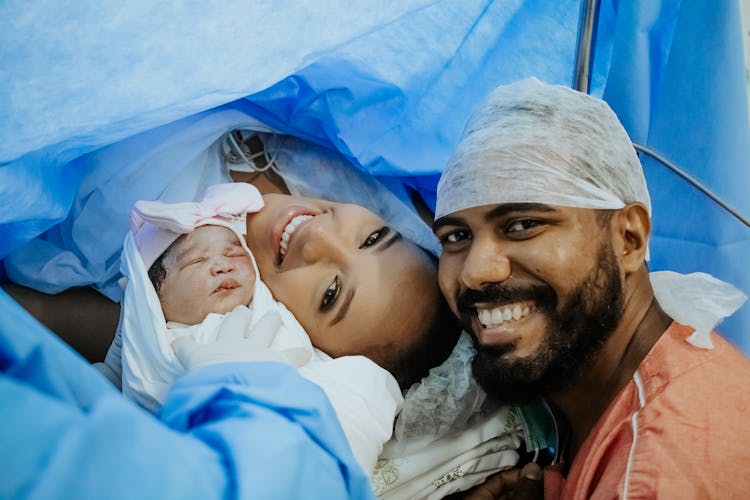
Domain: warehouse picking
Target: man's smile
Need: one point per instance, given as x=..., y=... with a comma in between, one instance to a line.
x=516, y=323
x=493, y=316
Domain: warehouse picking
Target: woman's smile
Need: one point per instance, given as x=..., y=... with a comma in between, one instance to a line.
x=286, y=223
x=289, y=230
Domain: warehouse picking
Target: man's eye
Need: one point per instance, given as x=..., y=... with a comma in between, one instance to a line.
x=375, y=236
x=331, y=294
x=455, y=236
x=521, y=225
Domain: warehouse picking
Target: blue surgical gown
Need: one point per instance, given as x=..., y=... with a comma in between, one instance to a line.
x=235, y=430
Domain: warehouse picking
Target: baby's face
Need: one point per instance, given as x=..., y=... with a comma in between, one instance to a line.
x=212, y=273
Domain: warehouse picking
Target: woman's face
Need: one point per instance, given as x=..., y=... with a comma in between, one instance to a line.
x=352, y=281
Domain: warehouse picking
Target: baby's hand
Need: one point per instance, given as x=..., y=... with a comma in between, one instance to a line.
x=234, y=342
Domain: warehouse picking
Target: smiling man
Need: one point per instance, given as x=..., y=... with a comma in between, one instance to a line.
x=544, y=217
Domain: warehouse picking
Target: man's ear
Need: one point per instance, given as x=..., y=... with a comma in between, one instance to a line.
x=632, y=227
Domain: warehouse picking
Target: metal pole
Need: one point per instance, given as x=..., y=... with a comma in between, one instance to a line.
x=585, y=45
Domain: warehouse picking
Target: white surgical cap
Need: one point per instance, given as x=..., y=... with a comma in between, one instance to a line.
x=536, y=143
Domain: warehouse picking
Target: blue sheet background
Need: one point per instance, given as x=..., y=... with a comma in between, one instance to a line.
x=389, y=86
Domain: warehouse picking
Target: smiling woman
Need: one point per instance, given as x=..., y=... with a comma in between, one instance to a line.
x=354, y=283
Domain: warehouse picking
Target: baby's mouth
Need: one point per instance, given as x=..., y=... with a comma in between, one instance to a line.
x=227, y=284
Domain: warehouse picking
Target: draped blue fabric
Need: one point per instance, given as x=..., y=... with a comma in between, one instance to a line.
x=389, y=87
x=673, y=72
x=387, y=84
x=244, y=430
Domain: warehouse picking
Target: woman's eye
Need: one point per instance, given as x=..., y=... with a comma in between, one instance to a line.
x=331, y=294
x=375, y=236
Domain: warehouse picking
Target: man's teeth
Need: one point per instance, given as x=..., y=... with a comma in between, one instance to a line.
x=499, y=315
x=289, y=231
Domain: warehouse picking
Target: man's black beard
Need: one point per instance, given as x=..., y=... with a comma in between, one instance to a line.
x=576, y=334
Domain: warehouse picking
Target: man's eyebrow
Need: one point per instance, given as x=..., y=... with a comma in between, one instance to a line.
x=507, y=208
x=495, y=213
x=447, y=220
x=344, y=307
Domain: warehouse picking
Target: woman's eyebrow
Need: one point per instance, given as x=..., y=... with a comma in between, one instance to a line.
x=344, y=308
x=388, y=243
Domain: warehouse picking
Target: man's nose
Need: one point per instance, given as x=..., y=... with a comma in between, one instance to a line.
x=221, y=264
x=322, y=243
x=486, y=263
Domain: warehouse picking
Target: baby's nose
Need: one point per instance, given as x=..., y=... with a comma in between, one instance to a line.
x=221, y=264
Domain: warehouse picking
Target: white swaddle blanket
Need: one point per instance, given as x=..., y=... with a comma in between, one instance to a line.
x=450, y=437
x=365, y=397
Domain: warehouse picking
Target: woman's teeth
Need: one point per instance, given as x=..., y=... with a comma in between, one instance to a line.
x=499, y=315
x=289, y=231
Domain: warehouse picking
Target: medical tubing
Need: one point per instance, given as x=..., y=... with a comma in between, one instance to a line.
x=240, y=154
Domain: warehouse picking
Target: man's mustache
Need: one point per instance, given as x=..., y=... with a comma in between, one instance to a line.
x=543, y=295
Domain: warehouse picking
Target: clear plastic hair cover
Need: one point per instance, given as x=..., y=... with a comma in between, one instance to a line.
x=536, y=143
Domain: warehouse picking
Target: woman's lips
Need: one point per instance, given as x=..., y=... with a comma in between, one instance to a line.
x=284, y=218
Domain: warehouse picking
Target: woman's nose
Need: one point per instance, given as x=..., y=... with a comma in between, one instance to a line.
x=486, y=263
x=321, y=242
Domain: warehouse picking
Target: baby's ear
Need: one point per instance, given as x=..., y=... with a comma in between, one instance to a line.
x=632, y=226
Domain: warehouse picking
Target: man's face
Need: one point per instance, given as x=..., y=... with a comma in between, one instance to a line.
x=352, y=281
x=537, y=285
x=210, y=273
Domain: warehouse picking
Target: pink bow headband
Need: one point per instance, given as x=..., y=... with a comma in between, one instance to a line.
x=156, y=225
